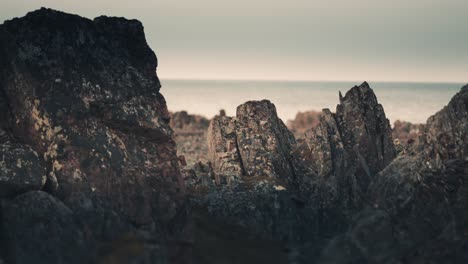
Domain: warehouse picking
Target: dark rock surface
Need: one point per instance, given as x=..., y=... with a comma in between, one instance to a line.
x=83, y=94
x=356, y=140
x=349, y=147
x=21, y=169
x=40, y=228
x=446, y=133
x=417, y=205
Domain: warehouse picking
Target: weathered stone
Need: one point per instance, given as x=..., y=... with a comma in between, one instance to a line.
x=223, y=147
x=84, y=95
x=446, y=133
x=41, y=229
x=21, y=170
x=190, y=136
x=264, y=143
x=417, y=215
x=355, y=142
x=418, y=203
x=255, y=143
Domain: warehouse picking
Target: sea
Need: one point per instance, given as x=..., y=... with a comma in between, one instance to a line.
x=412, y=102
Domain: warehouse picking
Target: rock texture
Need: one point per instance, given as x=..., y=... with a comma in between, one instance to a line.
x=301, y=192
x=254, y=143
x=417, y=204
x=21, y=169
x=40, y=228
x=446, y=132
x=190, y=136
x=84, y=96
x=355, y=142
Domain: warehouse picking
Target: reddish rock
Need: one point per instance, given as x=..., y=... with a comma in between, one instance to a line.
x=84, y=95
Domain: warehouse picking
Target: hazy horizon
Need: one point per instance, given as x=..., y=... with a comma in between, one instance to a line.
x=398, y=41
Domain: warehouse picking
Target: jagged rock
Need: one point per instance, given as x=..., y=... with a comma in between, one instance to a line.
x=446, y=132
x=84, y=95
x=254, y=143
x=21, y=170
x=41, y=229
x=223, y=150
x=356, y=141
x=264, y=143
x=418, y=203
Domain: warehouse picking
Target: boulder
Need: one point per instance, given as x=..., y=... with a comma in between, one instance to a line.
x=255, y=143
x=84, y=95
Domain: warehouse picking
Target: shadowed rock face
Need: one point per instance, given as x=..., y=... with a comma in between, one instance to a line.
x=418, y=202
x=83, y=94
x=355, y=142
x=446, y=133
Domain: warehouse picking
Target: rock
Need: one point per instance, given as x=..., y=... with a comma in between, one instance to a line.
x=417, y=205
x=254, y=143
x=223, y=150
x=355, y=142
x=446, y=133
x=21, y=170
x=222, y=112
x=418, y=216
x=182, y=121
x=41, y=229
x=264, y=143
x=190, y=136
x=84, y=95
x=303, y=122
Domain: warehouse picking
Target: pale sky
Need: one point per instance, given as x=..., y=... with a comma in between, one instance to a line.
x=374, y=40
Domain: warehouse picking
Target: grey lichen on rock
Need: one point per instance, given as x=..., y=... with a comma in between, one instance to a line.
x=21, y=170
x=84, y=95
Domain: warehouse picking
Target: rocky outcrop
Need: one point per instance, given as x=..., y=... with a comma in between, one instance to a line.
x=254, y=143
x=84, y=96
x=417, y=205
x=446, y=133
x=356, y=141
